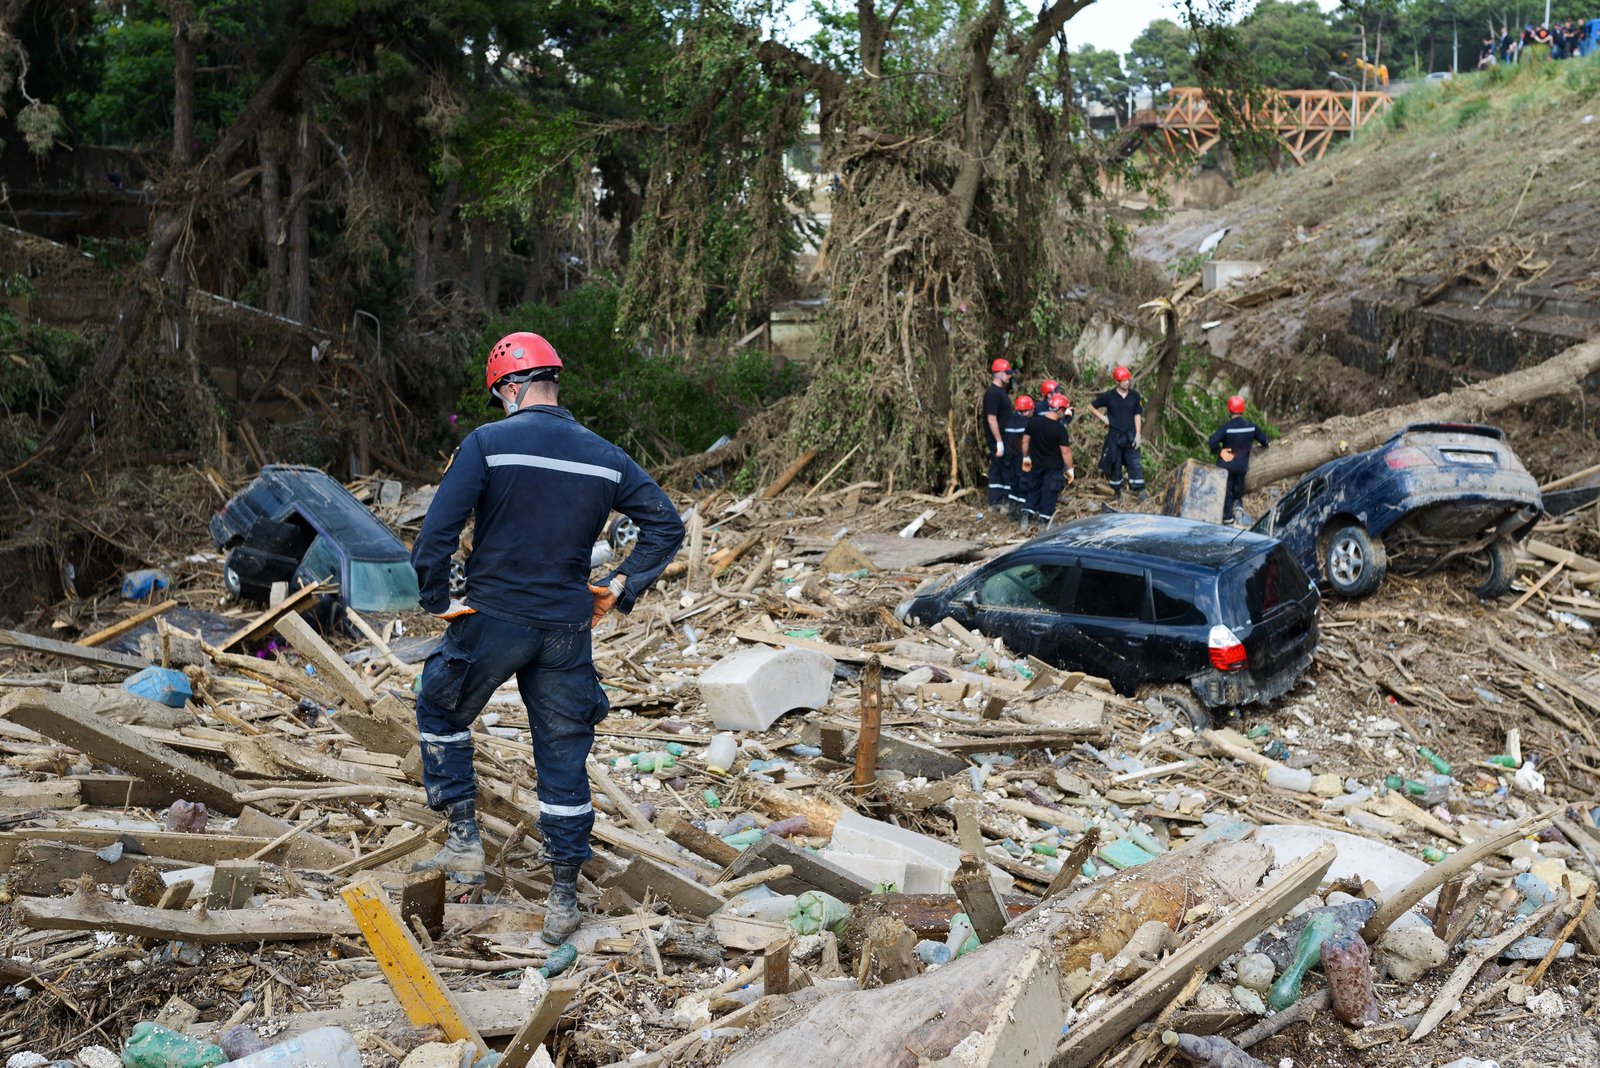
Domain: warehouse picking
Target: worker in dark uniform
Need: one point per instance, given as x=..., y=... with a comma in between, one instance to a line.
x=1011, y=431
x=1047, y=459
x=1232, y=443
x=1122, y=410
x=540, y=487
x=996, y=405
x=1046, y=388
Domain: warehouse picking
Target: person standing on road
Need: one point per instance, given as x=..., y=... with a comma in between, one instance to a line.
x=1232, y=443
x=1122, y=410
x=1047, y=459
x=996, y=408
x=540, y=487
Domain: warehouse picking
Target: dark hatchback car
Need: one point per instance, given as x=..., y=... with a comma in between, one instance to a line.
x=1146, y=602
x=298, y=523
x=1435, y=494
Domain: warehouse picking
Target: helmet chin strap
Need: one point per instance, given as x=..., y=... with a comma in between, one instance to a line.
x=515, y=404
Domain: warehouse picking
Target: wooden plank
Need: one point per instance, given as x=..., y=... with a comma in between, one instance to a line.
x=1140, y=1000
x=425, y=998
x=520, y=1050
x=979, y=899
x=645, y=877
x=15, y=639
x=388, y=726
x=422, y=900
x=680, y=830
x=279, y=920
x=303, y=851
x=100, y=637
x=866, y=775
x=192, y=849
x=121, y=747
x=775, y=967
x=890, y=552
x=51, y=794
x=808, y=871
x=232, y=883
x=331, y=668
x=262, y=624
x=40, y=867
x=124, y=791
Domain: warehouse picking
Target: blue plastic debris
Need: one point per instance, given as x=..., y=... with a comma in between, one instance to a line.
x=137, y=585
x=166, y=685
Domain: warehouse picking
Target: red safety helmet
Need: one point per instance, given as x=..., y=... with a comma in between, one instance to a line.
x=1000, y=365
x=1121, y=374
x=1236, y=405
x=1023, y=404
x=519, y=352
x=1049, y=386
x=1059, y=402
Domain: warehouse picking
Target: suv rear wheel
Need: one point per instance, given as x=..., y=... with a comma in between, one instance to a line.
x=1352, y=563
x=1177, y=701
x=1500, y=569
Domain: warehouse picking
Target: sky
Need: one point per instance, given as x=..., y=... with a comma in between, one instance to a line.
x=1109, y=24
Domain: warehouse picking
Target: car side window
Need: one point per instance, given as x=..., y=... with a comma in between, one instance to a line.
x=1173, y=597
x=321, y=562
x=1109, y=594
x=1037, y=586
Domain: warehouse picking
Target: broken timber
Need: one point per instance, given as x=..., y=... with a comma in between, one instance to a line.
x=82, y=654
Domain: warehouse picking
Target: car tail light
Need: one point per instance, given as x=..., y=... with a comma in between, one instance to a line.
x=1227, y=651
x=1406, y=456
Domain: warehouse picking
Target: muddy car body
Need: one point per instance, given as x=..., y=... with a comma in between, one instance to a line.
x=299, y=524
x=1434, y=495
x=1146, y=602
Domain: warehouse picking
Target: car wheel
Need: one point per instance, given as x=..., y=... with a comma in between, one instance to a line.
x=1500, y=569
x=1352, y=563
x=234, y=583
x=622, y=534
x=1178, y=702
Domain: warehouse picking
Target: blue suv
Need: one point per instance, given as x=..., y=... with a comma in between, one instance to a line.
x=1434, y=495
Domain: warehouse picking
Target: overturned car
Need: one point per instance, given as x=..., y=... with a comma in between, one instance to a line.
x=1200, y=615
x=1434, y=495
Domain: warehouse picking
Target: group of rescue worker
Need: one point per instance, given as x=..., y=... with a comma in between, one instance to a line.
x=1030, y=452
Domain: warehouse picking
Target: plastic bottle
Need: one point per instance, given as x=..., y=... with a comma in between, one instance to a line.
x=1210, y=1051
x=1286, y=991
x=153, y=1046
x=561, y=958
x=774, y=908
x=963, y=939
x=743, y=839
x=1347, y=962
x=1298, y=779
x=1439, y=763
x=930, y=952
x=326, y=1047
x=815, y=911
x=720, y=753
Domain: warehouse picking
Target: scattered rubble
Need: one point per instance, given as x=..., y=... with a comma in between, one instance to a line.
x=823, y=838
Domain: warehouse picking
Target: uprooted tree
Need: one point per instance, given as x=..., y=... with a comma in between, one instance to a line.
x=963, y=180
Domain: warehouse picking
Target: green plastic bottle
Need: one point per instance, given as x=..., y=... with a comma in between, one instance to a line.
x=1308, y=951
x=561, y=958
x=1440, y=764
x=153, y=1046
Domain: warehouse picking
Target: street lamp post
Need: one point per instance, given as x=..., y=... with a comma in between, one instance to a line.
x=1354, y=116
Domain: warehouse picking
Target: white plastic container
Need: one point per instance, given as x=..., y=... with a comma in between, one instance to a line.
x=326, y=1047
x=1290, y=778
x=720, y=753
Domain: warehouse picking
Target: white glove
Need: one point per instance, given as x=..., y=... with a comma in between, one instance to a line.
x=1071, y=478
x=456, y=610
x=1138, y=441
x=999, y=449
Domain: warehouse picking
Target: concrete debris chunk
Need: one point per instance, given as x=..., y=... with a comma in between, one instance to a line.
x=749, y=690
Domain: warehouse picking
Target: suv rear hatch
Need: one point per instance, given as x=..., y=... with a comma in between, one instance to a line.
x=1279, y=605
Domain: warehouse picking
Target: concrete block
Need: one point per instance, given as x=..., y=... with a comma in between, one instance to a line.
x=930, y=863
x=876, y=869
x=1220, y=274
x=749, y=690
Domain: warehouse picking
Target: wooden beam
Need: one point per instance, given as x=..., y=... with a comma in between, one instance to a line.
x=262, y=624
x=232, y=883
x=330, y=666
x=279, y=920
x=100, y=637
x=40, y=868
x=15, y=639
x=808, y=871
x=1140, y=1000
x=190, y=848
x=866, y=775
x=422, y=900
x=51, y=715
x=519, y=1052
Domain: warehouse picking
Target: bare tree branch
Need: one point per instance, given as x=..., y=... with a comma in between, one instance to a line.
x=1049, y=24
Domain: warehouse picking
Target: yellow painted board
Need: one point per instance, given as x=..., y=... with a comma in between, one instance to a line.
x=416, y=985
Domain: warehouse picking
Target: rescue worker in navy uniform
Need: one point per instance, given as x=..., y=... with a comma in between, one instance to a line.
x=540, y=487
x=1232, y=443
x=996, y=406
x=1011, y=429
x=1047, y=457
x=1122, y=410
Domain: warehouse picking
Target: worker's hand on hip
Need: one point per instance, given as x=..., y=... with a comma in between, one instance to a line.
x=605, y=598
x=455, y=611
x=1226, y=456
x=1027, y=463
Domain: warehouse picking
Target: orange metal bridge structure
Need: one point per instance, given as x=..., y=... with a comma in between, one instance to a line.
x=1306, y=120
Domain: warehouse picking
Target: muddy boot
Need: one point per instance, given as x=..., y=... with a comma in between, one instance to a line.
x=461, y=856
x=1026, y=523
x=561, y=907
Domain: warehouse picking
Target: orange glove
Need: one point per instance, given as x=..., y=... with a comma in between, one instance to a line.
x=605, y=599
x=456, y=610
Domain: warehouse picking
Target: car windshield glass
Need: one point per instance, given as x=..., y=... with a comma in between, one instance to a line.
x=382, y=587
x=1109, y=594
x=1174, y=599
x=1269, y=580
x=1025, y=586
x=321, y=562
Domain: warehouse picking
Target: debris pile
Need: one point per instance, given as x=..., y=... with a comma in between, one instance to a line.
x=825, y=837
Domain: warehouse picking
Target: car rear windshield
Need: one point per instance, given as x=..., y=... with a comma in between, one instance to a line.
x=1268, y=580
x=382, y=587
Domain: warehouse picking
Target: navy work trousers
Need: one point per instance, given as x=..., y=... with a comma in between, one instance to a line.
x=1121, y=455
x=1043, y=491
x=1234, y=496
x=999, y=477
x=555, y=673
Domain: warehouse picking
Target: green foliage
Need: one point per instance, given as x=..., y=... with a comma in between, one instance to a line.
x=39, y=365
x=1193, y=413
x=1098, y=77
x=1235, y=83
x=1291, y=42
x=657, y=405
x=1161, y=55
